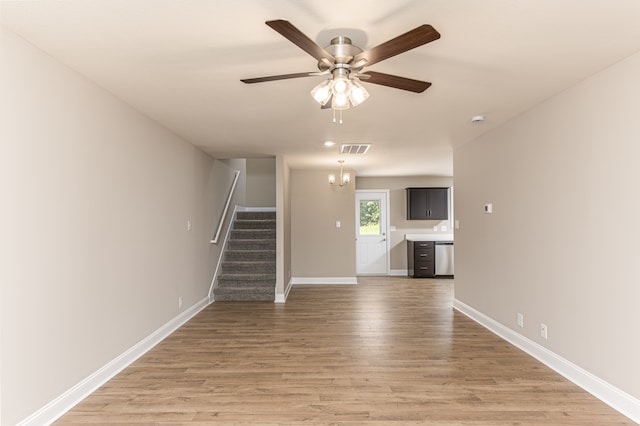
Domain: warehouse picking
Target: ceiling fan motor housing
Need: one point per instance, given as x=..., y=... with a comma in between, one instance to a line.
x=343, y=52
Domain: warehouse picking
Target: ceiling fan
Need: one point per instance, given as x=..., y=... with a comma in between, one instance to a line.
x=343, y=62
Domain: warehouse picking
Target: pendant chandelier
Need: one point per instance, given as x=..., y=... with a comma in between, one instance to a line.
x=344, y=178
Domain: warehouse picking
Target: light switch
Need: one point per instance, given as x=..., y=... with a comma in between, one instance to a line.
x=338, y=224
x=457, y=224
x=488, y=208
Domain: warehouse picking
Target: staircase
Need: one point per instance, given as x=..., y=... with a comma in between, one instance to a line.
x=248, y=268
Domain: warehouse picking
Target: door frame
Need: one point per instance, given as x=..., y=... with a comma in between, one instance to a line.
x=387, y=213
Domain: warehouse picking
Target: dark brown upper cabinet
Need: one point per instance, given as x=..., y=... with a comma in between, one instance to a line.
x=427, y=203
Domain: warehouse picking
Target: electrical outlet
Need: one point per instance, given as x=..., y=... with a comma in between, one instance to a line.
x=179, y=302
x=520, y=320
x=189, y=225
x=543, y=331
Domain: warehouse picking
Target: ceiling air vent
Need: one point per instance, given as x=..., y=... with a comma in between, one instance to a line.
x=354, y=148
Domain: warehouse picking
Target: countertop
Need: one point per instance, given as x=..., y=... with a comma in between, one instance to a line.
x=428, y=237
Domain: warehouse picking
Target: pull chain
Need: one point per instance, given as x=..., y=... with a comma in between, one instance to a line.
x=334, y=115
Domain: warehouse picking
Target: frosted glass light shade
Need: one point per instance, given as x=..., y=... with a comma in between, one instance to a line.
x=358, y=93
x=340, y=102
x=322, y=92
x=341, y=85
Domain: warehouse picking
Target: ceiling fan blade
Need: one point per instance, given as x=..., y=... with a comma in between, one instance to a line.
x=295, y=36
x=396, y=82
x=416, y=37
x=277, y=77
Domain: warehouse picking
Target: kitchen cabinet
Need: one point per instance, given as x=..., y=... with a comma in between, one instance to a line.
x=421, y=259
x=427, y=203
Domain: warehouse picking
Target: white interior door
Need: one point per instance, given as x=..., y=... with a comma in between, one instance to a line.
x=372, y=245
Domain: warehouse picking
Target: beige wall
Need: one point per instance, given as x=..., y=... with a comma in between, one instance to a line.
x=398, y=211
x=562, y=244
x=261, y=182
x=240, y=193
x=319, y=249
x=94, y=248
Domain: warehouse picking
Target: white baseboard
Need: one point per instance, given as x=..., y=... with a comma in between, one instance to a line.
x=606, y=392
x=323, y=280
x=398, y=273
x=282, y=298
x=63, y=403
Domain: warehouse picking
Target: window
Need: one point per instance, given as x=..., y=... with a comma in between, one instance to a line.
x=370, y=217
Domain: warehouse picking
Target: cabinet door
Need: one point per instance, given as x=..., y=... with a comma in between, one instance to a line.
x=417, y=204
x=437, y=202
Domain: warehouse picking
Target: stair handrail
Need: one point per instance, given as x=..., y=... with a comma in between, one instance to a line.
x=223, y=216
x=222, y=250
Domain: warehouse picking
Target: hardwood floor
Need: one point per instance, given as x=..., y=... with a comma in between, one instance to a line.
x=387, y=351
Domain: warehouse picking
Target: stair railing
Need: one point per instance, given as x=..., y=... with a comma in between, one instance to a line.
x=223, y=216
x=222, y=250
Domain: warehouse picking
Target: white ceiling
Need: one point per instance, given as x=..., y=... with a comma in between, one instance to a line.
x=180, y=62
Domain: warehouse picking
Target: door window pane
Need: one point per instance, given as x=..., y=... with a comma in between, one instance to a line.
x=370, y=217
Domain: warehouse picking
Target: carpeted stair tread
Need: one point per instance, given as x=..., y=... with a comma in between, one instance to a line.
x=252, y=244
x=239, y=277
x=250, y=255
x=252, y=234
x=248, y=267
x=255, y=224
x=262, y=289
x=244, y=295
x=255, y=215
x=257, y=286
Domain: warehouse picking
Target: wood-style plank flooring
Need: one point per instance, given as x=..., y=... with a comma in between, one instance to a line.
x=389, y=351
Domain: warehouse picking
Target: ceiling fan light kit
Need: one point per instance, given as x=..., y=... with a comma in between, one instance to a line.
x=344, y=63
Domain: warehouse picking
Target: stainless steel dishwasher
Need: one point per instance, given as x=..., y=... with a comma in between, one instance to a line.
x=444, y=258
